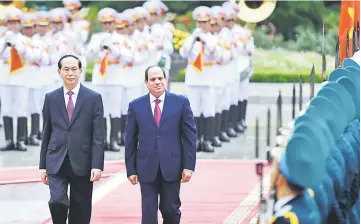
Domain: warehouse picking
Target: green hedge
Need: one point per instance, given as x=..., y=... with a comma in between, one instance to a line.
x=270, y=77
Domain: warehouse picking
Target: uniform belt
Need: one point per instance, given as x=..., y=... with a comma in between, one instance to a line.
x=205, y=63
x=28, y=63
x=127, y=65
x=110, y=62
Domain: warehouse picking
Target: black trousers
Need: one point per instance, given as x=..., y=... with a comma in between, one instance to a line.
x=81, y=190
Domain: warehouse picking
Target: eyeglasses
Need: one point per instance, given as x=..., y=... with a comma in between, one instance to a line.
x=67, y=70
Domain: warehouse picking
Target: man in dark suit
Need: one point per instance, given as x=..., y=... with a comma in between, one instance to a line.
x=160, y=147
x=72, y=149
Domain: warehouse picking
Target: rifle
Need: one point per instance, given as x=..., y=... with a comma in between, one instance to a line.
x=324, y=76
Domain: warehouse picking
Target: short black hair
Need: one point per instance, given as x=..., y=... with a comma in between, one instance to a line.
x=68, y=56
x=153, y=66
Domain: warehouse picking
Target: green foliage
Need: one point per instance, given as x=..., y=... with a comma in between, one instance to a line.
x=283, y=66
x=307, y=39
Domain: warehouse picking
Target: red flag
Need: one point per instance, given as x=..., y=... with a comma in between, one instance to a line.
x=198, y=63
x=16, y=62
x=349, y=15
x=104, y=65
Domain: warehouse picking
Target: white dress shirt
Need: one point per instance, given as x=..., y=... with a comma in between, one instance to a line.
x=282, y=202
x=73, y=97
x=161, y=104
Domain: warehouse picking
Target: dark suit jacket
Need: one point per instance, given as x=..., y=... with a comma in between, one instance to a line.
x=171, y=146
x=82, y=137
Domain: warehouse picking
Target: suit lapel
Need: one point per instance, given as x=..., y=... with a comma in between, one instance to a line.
x=150, y=112
x=166, y=108
x=62, y=105
x=78, y=103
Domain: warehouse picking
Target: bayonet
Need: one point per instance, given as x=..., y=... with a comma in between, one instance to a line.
x=312, y=82
x=337, y=57
x=347, y=46
x=324, y=78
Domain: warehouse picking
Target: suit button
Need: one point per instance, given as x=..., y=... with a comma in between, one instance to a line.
x=158, y=136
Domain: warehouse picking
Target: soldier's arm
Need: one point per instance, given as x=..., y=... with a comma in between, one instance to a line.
x=186, y=49
x=168, y=45
x=250, y=45
x=61, y=50
x=93, y=47
x=226, y=54
x=84, y=31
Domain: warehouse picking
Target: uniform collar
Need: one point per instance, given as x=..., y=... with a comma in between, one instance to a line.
x=282, y=202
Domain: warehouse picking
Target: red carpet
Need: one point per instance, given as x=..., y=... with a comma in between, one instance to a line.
x=18, y=175
x=216, y=190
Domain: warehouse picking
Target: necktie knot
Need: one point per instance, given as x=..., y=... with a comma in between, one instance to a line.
x=157, y=101
x=70, y=93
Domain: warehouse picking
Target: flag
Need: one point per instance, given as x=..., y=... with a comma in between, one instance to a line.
x=104, y=65
x=349, y=15
x=198, y=63
x=16, y=62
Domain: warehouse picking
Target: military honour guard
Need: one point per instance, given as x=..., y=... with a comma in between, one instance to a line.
x=218, y=53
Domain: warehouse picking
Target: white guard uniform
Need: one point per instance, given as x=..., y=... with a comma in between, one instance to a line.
x=199, y=84
x=129, y=60
x=58, y=48
x=80, y=27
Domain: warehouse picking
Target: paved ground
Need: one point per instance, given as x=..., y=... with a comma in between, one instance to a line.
x=29, y=201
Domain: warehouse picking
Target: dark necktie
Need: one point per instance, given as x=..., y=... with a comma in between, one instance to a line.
x=157, y=112
x=70, y=106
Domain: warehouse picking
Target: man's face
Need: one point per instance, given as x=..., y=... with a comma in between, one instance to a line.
x=140, y=24
x=57, y=26
x=123, y=30
x=153, y=19
x=108, y=26
x=42, y=29
x=205, y=25
x=29, y=31
x=14, y=26
x=70, y=71
x=215, y=28
x=156, y=81
x=229, y=23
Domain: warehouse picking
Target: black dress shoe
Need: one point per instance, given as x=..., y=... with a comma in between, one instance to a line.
x=231, y=133
x=9, y=146
x=223, y=137
x=20, y=146
x=216, y=142
x=207, y=147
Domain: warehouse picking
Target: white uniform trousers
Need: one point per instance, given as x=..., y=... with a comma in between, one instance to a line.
x=243, y=90
x=128, y=94
x=36, y=100
x=112, y=96
x=235, y=89
x=202, y=100
x=14, y=101
x=221, y=101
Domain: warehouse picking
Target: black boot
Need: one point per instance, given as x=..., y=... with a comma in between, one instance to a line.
x=198, y=129
x=245, y=102
x=9, y=134
x=224, y=126
x=239, y=112
x=230, y=131
x=21, y=134
x=209, y=127
x=106, y=145
x=216, y=142
x=234, y=114
x=35, y=124
x=114, y=130
x=123, y=122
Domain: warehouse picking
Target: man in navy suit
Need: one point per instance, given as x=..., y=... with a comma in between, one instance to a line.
x=72, y=149
x=160, y=148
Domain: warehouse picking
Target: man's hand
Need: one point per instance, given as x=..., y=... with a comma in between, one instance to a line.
x=133, y=179
x=186, y=176
x=44, y=177
x=95, y=175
